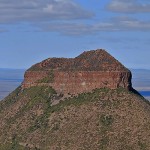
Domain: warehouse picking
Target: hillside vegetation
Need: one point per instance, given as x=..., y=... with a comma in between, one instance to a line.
x=103, y=119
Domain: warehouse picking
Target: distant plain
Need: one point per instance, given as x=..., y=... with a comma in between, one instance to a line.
x=141, y=81
x=12, y=78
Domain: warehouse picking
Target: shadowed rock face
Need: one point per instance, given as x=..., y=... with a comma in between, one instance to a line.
x=90, y=70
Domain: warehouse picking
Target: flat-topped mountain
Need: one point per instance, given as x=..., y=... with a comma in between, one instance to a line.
x=90, y=70
x=82, y=103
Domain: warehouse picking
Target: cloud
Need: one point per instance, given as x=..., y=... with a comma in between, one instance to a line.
x=3, y=30
x=38, y=10
x=67, y=28
x=129, y=6
x=116, y=24
x=130, y=24
x=60, y=16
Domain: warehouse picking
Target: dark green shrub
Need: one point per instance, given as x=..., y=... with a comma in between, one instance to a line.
x=106, y=120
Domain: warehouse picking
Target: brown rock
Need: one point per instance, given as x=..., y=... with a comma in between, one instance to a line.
x=90, y=70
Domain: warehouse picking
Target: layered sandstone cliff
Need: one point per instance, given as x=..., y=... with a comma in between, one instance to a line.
x=90, y=70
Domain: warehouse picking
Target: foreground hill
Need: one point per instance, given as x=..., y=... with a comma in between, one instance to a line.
x=111, y=116
x=104, y=119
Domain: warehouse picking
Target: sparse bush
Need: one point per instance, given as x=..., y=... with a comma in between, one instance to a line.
x=142, y=145
x=104, y=143
x=106, y=120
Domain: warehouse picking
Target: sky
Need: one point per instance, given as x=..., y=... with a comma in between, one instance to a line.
x=33, y=30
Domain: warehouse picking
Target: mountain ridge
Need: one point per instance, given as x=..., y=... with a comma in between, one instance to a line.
x=83, y=62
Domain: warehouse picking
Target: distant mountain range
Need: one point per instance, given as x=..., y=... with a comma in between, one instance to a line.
x=14, y=74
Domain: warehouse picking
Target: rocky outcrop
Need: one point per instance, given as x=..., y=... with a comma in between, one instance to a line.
x=90, y=70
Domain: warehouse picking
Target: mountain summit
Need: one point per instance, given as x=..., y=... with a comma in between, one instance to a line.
x=93, y=60
x=90, y=70
x=82, y=103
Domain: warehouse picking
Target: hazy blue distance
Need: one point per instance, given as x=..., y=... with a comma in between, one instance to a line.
x=10, y=79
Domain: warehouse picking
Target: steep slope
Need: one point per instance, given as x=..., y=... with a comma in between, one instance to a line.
x=104, y=119
x=109, y=116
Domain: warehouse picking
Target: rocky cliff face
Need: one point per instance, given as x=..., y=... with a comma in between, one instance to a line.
x=90, y=70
